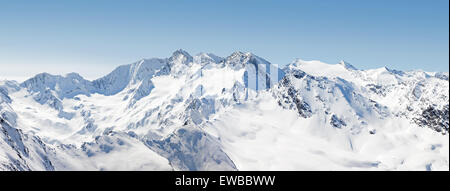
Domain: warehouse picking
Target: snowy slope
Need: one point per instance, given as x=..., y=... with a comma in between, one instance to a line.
x=241, y=112
x=414, y=94
x=323, y=125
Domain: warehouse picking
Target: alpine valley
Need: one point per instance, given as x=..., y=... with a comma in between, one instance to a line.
x=241, y=112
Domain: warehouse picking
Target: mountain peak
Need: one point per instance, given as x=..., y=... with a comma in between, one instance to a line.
x=73, y=75
x=180, y=51
x=242, y=54
x=40, y=78
x=43, y=75
x=181, y=56
x=382, y=69
x=241, y=59
x=347, y=65
x=237, y=53
x=206, y=57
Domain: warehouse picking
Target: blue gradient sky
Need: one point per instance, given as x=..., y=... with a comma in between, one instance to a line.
x=92, y=37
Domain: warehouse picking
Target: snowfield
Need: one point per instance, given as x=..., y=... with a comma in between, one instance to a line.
x=241, y=112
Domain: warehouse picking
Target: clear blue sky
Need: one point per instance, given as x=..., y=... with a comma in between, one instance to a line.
x=92, y=37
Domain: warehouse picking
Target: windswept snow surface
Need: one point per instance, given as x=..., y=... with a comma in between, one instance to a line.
x=241, y=112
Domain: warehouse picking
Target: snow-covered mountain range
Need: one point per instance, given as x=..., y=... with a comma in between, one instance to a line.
x=241, y=112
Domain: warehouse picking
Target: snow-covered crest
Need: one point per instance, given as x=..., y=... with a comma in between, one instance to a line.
x=241, y=112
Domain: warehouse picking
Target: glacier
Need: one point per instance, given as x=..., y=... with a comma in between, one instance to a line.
x=240, y=112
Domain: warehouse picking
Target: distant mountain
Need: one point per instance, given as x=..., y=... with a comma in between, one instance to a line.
x=241, y=112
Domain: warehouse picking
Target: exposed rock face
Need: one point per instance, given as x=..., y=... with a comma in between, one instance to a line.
x=436, y=119
x=336, y=122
